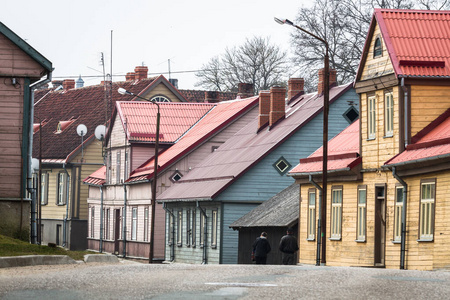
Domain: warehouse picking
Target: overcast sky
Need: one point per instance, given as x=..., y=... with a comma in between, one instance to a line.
x=73, y=34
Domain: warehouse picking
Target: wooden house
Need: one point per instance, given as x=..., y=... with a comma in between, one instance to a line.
x=386, y=206
x=246, y=170
x=188, y=132
x=21, y=70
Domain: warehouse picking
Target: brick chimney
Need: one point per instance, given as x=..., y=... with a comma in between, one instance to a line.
x=295, y=86
x=245, y=90
x=130, y=76
x=277, y=104
x=68, y=84
x=264, y=108
x=141, y=72
x=211, y=97
x=332, y=81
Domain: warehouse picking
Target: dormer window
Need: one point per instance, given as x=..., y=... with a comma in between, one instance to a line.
x=62, y=125
x=377, y=48
x=160, y=99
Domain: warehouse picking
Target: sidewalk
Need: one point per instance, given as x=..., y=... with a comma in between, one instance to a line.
x=33, y=260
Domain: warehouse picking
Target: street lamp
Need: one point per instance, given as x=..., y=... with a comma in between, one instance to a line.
x=123, y=91
x=321, y=230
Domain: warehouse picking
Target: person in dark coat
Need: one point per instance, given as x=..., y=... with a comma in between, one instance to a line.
x=288, y=247
x=260, y=249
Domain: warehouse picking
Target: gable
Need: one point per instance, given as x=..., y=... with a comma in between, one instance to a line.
x=162, y=90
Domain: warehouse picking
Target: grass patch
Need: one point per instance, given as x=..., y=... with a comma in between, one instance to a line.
x=14, y=247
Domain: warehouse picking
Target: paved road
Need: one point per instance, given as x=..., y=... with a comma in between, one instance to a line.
x=181, y=281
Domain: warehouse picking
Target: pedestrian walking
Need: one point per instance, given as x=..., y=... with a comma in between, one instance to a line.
x=261, y=247
x=288, y=247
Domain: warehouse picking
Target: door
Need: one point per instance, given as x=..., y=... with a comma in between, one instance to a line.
x=116, y=231
x=380, y=226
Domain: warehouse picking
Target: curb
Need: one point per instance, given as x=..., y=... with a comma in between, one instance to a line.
x=33, y=260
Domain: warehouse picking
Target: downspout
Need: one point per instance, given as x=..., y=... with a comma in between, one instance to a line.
x=205, y=234
x=124, y=221
x=101, y=220
x=172, y=247
x=67, y=206
x=30, y=185
x=403, y=234
x=406, y=109
x=319, y=233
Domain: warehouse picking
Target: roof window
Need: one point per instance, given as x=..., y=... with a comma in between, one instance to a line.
x=377, y=48
x=62, y=125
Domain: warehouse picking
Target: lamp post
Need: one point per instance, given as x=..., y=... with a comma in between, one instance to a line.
x=321, y=231
x=123, y=91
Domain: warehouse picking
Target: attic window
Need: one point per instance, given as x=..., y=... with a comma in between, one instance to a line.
x=351, y=114
x=176, y=176
x=377, y=49
x=160, y=99
x=62, y=125
x=282, y=165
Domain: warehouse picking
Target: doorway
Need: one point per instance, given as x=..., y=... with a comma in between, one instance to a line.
x=380, y=225
x=116, y=230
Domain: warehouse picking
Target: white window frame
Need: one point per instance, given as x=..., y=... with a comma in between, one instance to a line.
x=44, y=188
x=371, y=117
x=311, y=235
x=170, y=229
x=92, y=231
x=361, y=214
x=61, y=195
x=389, y=114
x=427, y=204
x=202, y=229
x=118, y=157
x=180, y=227
x=134, y=223
x=336, y=213
x=188, y=227
x=214, y=223
x=194, y=228
x=398, y=213
x=107, y=225
x=146, y=216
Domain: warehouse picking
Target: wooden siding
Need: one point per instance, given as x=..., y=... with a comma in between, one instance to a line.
x=378, y=150
x=427, y=103
x=377, y=67
x=140, y=154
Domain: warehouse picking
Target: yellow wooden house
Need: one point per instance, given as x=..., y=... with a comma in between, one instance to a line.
x=388, y=194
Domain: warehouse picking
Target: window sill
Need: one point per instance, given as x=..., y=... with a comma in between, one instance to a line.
x=311, y=240
x=425, y=240
x=60, y=204
x=214, y=247
x=335, y=239
x=388, y=136
x=371, y=139
x=179, y=245
x=396, y=242
x=360, y=241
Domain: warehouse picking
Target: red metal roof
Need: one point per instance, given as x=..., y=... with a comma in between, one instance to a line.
x=418, y=42
x=432, y=144
x=221, y=115
x=243, y=150
x=176, y=119
x=342, y=153
x=97, y=178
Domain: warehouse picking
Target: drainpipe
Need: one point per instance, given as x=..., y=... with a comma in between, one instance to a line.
x=405, y=102
x=319, y=233
x=172, y=247
x=205, y=234
x=101, y=220
x=67, y=206
x=124, y=221
x=34, y=230
x=403, y=235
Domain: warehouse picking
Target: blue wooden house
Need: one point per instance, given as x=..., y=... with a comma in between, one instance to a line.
x=248, y=169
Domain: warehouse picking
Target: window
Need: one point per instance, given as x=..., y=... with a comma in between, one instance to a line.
x=311, y=214
x=214, y=229
x=377, y=49
x=107, y=224
x=336, y=212
x=398, y=213
x=427, y=199
x=92, y=221
x=118, y=167
x=180, y=228
x=202, y=229
x=351, y=114
x=194, y=227
x=103, y=218
x=146, y=210
x=371, y=117
x=159, y=99
x=58, y=234
x=44, y=188
x=134, y=219
x=62, y=188
x=188, y=227
x=171, y=233
x=388, y=114
x=282, y=165
x=362, y=209
x=176, y=176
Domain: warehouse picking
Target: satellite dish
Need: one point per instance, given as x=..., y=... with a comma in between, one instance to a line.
x=81, y=130
x=35, y=164
x=100, y=132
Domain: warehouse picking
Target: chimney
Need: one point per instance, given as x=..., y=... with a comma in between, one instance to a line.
x=277, y=104
x=245, y=90
x=130, y=76
x=211, y=96
x=68, y=84
x=332, y=80
x=141, y=72
x=295, y=86
x=264, y=108
x=79, y=82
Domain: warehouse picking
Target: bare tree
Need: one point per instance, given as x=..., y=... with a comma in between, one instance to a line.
x=257, y=61
x=344, y=25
